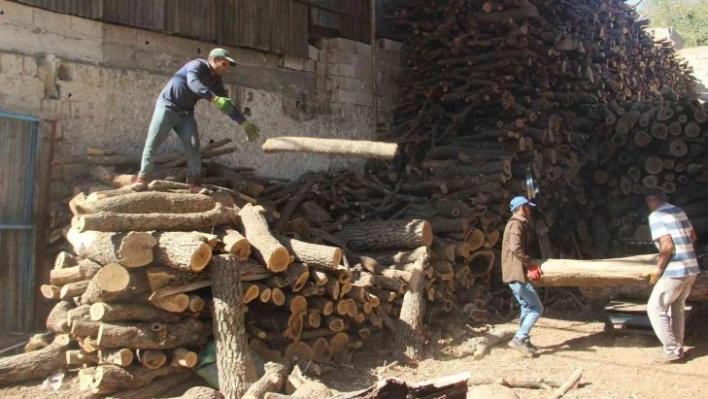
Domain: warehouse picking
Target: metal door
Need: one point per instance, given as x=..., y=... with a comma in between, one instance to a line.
x=18, y=153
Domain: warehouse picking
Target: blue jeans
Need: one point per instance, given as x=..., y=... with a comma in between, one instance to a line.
x=163, y=121
x=531, y=307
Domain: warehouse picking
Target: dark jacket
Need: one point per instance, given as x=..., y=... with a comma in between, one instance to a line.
x=515, y=260
x=191, y=83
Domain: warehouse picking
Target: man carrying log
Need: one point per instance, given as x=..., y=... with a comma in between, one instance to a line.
x=196, y=80
x=675, y=272
x=517, y=270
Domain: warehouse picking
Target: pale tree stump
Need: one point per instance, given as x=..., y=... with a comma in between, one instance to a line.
x=236, y=370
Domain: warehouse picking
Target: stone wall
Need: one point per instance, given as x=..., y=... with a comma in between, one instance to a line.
x=697, y=57
x=100, y=82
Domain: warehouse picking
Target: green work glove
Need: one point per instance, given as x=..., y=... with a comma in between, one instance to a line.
x=252, y=131
x=224, y=105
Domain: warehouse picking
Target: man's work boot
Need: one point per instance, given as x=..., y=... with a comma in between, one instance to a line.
x=140, y=184
x=521, y=346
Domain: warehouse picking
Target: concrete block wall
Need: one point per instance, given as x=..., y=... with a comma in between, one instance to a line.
x=100, y=82
x=345, y=73
x=697, y=57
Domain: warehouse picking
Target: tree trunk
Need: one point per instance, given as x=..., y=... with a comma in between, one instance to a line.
x=641, y=291
x=150, y=202
x=155, y=389
x=589, y=273
x=272, y=381
x=57, y=319
x=85, y=270
x=71, y=290
x=131, y=312
x=131, y=249
x=186, y=332
x=109, y=378
x=347, y=148
x=275, y=255
x=408, y=343
x=120, y=357
x=201, y=393
x=313, y=254
x=235, y=243
x=394, y=234
x=218, y=215
x=236, y=371
x=113, y=282
x=184, y=251
x=34, y=365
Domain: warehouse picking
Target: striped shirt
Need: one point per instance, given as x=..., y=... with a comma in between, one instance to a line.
x=671, y=220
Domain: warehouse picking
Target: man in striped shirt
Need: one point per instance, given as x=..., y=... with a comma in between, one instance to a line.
x=674, y=274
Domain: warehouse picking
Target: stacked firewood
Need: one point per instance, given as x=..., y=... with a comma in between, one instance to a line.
x=642, y=146
x=134, y=292
x=509, y=88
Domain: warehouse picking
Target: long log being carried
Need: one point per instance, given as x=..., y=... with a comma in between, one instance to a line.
x=606, y=278
x=347, y=148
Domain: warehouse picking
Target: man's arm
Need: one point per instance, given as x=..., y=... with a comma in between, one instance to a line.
x=194, y=73
x=666, y=250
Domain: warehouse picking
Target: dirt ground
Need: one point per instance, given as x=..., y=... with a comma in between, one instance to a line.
x=614, y=366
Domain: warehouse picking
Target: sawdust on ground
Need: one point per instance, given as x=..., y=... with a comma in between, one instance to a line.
x=614, y=366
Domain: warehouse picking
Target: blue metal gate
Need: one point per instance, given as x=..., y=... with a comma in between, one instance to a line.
x=18, y=154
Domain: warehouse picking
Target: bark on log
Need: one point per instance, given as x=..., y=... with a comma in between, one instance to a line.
x=237, y=181
x=133, y=249
x=236, y=370
x=235, y=243
x=113, y=282
x=275, y=255
x=109, y=378
x=438, y=385
x=200, y=393
x=294, y=201
x=187, y=332
x=130, y=312
x=182, y=357
x=589, y=273
x=108, y=221
x=79, y=357
x=150, y=202
x=641, y=291
x=347, y=148
x=79, y=313
x=85, y=270
x=155, y=389
x=50, y=291
x=272, y=381
x=34, y=365
x=313, y=254
x=151, y=359
x=71, y=290
x=57, y=319
x=184, y=251
x=119, y=357
x=394, y=234
x=408, y=344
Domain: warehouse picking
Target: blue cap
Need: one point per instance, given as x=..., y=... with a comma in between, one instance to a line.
x=516, y=202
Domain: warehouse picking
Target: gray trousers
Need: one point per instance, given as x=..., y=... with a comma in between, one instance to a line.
x=666, y=311
x=163, y=121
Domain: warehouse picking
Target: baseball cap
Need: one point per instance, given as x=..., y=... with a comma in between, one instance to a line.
x=221, y=53
x=518, y=201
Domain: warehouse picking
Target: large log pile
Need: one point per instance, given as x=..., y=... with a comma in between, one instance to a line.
x=646, y=145
x=497, y=92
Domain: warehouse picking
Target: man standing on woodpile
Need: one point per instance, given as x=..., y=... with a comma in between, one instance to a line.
x=196, y=80
x=674, y=274
x=517, y=270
